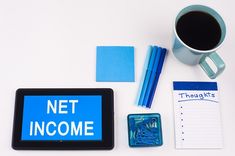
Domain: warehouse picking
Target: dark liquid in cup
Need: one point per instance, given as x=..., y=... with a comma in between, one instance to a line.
x=199, y=30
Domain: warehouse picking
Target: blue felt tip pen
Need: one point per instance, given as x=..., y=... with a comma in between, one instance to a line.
x=157, y=75
x=145, y=77
x=153, y=72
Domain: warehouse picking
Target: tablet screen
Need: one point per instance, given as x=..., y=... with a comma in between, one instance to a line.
x=62, y=117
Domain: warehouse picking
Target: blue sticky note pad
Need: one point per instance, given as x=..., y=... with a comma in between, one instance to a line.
x=115, y=64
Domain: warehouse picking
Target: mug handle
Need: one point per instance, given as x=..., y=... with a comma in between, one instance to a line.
x=219, y=63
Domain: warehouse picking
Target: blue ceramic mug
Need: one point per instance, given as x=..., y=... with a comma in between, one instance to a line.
x=198, y=32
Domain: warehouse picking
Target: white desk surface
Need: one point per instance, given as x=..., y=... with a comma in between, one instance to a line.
x=52, y=44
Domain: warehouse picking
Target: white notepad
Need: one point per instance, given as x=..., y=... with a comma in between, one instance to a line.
x=197, y=115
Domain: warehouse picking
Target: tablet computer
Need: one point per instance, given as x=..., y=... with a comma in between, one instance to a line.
x=63, y=119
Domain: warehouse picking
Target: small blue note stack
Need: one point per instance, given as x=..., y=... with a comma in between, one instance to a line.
x=115, y=64
x=153, y=65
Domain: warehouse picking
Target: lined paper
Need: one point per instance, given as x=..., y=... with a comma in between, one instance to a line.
x=197, y=115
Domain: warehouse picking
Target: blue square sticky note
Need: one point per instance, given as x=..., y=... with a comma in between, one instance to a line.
x=115, y=64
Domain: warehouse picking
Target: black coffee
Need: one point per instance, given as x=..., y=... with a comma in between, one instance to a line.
x=199, y=30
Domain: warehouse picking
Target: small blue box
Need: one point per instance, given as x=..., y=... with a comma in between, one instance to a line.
x=144, y=130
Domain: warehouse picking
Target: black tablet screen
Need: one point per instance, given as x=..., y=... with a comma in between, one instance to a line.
x=62, y=117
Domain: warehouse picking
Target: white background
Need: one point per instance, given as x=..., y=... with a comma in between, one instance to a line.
x=52, y=44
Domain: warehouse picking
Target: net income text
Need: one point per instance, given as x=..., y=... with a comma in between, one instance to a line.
x=62, y=128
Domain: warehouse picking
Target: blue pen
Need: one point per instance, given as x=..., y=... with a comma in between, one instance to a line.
x=153, y=71
x=159, y=69
x=145, y=77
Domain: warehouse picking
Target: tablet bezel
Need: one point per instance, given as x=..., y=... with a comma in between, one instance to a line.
x=107, y=141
